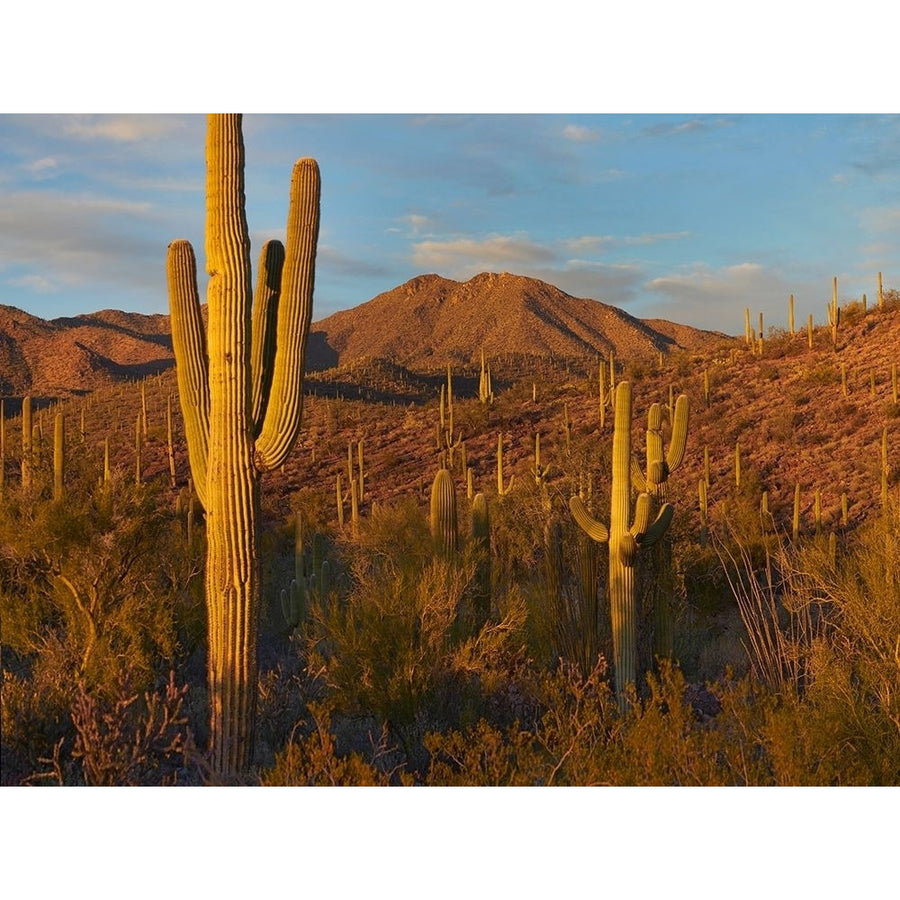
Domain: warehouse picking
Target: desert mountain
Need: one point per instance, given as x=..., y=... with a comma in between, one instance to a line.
x=420, y=325
x=430, y=320
x=74, y=355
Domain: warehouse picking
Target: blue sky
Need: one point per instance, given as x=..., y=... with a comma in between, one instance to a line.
x=736, y=155
x=686, y=217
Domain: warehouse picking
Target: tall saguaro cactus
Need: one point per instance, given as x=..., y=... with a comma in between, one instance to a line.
x=625, y=537
x=240, y=386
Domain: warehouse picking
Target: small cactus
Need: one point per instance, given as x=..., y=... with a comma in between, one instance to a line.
x=502, y=490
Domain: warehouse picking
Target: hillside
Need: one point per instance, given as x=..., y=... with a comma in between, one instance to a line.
x=420, y=325
x=430, y=320
x=66, y=356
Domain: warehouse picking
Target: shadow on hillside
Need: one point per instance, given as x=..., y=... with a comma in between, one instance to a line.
x=125, y=372
x=320, y=355
x=161, y=340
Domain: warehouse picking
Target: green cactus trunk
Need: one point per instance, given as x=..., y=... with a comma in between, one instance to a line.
x=625, y=538
x=228, y=447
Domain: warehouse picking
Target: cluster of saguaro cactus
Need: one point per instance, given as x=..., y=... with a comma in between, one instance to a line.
x=625, y=536
x=485, y=388
x=240, y=388
x=310, y=581
x=654, y=480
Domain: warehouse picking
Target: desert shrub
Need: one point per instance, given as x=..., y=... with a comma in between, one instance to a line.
x=94, y=590
x=312, y=758
x=403, y=644
x=134, y=740
x=822, y=637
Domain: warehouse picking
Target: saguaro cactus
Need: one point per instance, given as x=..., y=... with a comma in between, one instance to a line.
x=27, y=447
x=443, y=517
x=655, y=481
x=625, y=538
x=59, y=456
x=241, y=400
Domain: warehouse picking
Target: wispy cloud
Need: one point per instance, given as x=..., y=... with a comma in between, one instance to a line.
x=40, y=284
x=590, y=243
x=880, y=219
x=492, y=252
x=413, y=223
x=345, y=265
x=617, y=283
x=50, y=239
x=580, y=134
x=699, y=293
x=121, y=129
x=45, y=167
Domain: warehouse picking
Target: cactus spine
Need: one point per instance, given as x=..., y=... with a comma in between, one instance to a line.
x=625, y=537
x=230, y=442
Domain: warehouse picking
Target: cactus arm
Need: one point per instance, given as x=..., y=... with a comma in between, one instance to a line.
x=641, y=517
x=191, y=360
x=678, y=442
x=660, y=526
x=638, y=481
x=596, y=530
x=265, y=318
x=282, y=420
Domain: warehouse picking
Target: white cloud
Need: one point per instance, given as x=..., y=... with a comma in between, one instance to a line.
x=580, y=134
x=716, y=298
x=880, y=218
x=121, y=129
x=413, y=223
x=39, y=284
x=592, y=243
x=476, y=255
x=49, y=238
x=42, y=168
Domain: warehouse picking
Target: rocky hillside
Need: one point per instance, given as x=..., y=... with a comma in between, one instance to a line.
x=420, y=325
x=68, y=356
x=431, y=320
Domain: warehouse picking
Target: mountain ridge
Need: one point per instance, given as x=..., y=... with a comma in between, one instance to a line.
x=422, y=324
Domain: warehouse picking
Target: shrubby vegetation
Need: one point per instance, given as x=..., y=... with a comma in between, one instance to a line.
x=409, y=666
x=786, y=670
